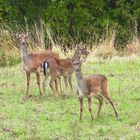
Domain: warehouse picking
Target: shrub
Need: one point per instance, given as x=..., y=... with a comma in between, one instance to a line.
x=9, y=53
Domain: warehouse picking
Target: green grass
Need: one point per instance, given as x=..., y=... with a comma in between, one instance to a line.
x=58, y=118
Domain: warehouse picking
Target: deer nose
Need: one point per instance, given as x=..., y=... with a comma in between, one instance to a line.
x=76, y=69
x=23, y=42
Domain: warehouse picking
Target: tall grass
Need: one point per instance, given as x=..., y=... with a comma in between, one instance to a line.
x=43, y=38
x=105, y=48
x=9, y=52
x=133, y=47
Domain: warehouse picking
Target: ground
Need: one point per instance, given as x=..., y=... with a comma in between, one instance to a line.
x=50, y=117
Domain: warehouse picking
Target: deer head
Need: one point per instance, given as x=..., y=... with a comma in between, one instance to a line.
x=80, y=50
x=22, y=38
x=76, y=64
x=77, y=60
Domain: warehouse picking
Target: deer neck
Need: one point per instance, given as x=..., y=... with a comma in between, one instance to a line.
x=81, y=83
x=77, y=55
x=24, y=54
x=79, y=75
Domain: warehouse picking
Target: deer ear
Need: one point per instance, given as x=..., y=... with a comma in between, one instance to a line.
x=85, y=47
x=74, y=46
x=70, y=60
x=81, y=43
x=83, y=60
x=87, y=52
x=27, y=34
x=17, y=36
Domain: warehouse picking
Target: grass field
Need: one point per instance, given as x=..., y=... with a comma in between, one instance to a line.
x=58, y=118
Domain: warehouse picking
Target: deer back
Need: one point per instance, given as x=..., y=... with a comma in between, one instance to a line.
x=66, y=65
x=96, y=83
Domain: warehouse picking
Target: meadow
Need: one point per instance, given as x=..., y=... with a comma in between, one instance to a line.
x=57, y=118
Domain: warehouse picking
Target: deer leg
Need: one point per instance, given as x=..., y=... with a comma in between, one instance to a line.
x=100, y=98
x=60, y=84
x=38, y=82
x=81, y=107
x=111, y=102
x=66, y=84
x=51, y=85
x=56, y=87
x=89, y=105
x=70, y=83
x=28, y=82
x=77, y=92
x=44, y=83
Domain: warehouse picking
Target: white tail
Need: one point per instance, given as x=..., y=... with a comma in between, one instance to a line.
x=45, y=67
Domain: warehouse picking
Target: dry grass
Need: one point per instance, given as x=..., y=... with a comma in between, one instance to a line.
x=9, y=52
x=133, y=47
x=104, y=49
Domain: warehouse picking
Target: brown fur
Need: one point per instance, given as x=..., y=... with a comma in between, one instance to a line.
x=36, y=59
x=64, y=68
x=61, y=67
x=53, y=67
x=96, y=83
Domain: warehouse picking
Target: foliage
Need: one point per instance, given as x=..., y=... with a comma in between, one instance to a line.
x=9, y=53
x=78, y=20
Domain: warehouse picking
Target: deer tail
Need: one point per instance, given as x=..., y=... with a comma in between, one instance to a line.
x=45, y=67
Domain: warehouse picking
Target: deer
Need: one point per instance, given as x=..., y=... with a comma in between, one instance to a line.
x=57, y=69
x=31, y=61
x=66, y=68
x=50, y=67
x=93, y=85
x=63, y=68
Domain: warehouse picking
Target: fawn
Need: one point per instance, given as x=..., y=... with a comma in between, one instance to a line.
x=62, y=67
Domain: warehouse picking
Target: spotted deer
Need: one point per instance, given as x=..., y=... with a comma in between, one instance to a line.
x=93, y=85
x=32, y=61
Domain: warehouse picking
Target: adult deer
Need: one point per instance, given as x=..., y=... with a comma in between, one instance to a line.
x=93, y=85
x=32, y=61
